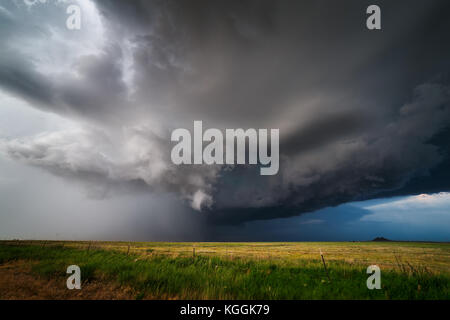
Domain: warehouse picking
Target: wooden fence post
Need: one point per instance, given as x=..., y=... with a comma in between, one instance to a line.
x=324, y=265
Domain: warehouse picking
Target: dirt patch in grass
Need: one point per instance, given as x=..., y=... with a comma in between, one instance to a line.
x=18, y=283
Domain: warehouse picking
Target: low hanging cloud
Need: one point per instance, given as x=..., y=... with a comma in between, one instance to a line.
x=355, y=109
x=139, y=159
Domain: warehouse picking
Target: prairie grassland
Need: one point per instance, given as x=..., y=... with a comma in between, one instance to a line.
x=388, y=255
x=160, y=270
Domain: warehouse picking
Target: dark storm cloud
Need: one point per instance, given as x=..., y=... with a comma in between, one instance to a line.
x=313, y=134
x=69, y=96
x=26, y=83
x=356, y=108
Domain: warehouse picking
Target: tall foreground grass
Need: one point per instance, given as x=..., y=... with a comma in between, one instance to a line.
x=209, y=277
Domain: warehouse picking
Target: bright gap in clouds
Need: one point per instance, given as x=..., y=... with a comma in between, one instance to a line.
x=18, y=119
x=420, y=209
x=423, y=217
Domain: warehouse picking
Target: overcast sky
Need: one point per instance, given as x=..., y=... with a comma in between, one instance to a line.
x=86, y=117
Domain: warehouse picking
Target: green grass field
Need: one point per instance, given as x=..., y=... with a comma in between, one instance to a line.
x=246, y=270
